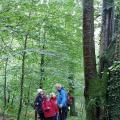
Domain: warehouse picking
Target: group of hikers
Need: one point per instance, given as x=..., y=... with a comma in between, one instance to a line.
x=54, y=107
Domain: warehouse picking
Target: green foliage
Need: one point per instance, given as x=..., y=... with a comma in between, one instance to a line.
x=61, y=21
x=98, y=90
x=115, y=66
x=114, y=90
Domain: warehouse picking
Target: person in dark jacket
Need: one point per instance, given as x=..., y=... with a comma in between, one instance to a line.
x=38, y=103
x=62, y=101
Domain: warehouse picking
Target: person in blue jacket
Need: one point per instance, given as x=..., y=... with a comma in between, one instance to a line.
x=62, y=101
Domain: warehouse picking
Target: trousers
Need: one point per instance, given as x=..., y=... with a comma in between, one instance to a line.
x=63, y=113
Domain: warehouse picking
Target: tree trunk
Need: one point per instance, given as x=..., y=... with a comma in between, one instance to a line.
x=13, y=98
x=42, y=62
x=5, y=88
x=113, y=96
x=9, y=96
x=107, y=32
x=72, y=90
x=105, y=45
x=89, y=54
x=42, y=70
x=22, y=78
x=28, y=101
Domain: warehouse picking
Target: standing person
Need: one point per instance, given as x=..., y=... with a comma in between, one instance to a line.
x=53, y=100
x=48, y=109
x=38, y=103
x=62, y=101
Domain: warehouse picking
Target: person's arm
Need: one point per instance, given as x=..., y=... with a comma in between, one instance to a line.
x=45, y=106
x=58, y=99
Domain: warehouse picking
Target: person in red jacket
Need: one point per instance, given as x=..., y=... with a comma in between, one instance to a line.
x=53, y=100
x=48, y=109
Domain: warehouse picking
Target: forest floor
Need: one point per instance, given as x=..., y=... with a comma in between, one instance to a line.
x=72, y=118
x=1, y=118
x=69, y=118
x=79, y=117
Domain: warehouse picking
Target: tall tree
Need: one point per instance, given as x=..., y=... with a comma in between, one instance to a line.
x=113, y=58
x=22, y=77
x=107, y=32
x=5, y=88
x=59, y=50
x=88, y=53
x=72, y=89
x=42, y=61
x=106, y=41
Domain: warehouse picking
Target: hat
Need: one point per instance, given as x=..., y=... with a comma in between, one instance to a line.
x=39, y=90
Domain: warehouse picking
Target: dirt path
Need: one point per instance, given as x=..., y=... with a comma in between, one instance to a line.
x=2, y=118
x=5, y=118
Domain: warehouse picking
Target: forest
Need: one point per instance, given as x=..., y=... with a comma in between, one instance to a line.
x=72, y=42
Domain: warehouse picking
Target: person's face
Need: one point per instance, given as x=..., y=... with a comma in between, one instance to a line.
x=42, y=93
x=54, y=96
x=58, y=87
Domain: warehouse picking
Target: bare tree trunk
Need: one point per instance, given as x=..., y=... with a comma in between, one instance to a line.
x=12, y=101
x=72, y=89
x=107, y=32
x=28, y=101
x=89, y=54
x=22, y=78
x=42, y=62
x=5, y=88
x=9, y=96
x=42, y=70
x=105, y=44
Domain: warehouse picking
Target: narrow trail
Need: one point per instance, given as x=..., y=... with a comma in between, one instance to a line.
x=1, y=118
x=5, y=118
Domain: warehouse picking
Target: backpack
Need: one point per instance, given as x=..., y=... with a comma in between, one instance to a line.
x=69, y=99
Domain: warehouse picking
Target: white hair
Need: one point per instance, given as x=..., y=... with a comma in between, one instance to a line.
x=39, y=90
x=58, y=85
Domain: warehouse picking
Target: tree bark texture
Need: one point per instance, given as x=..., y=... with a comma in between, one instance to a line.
x=107, y=32
x=88, y=53
x=22, y=78
x=42, y=62
x=5, y=88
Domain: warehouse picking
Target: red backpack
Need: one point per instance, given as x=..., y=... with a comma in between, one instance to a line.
x=69, y=99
